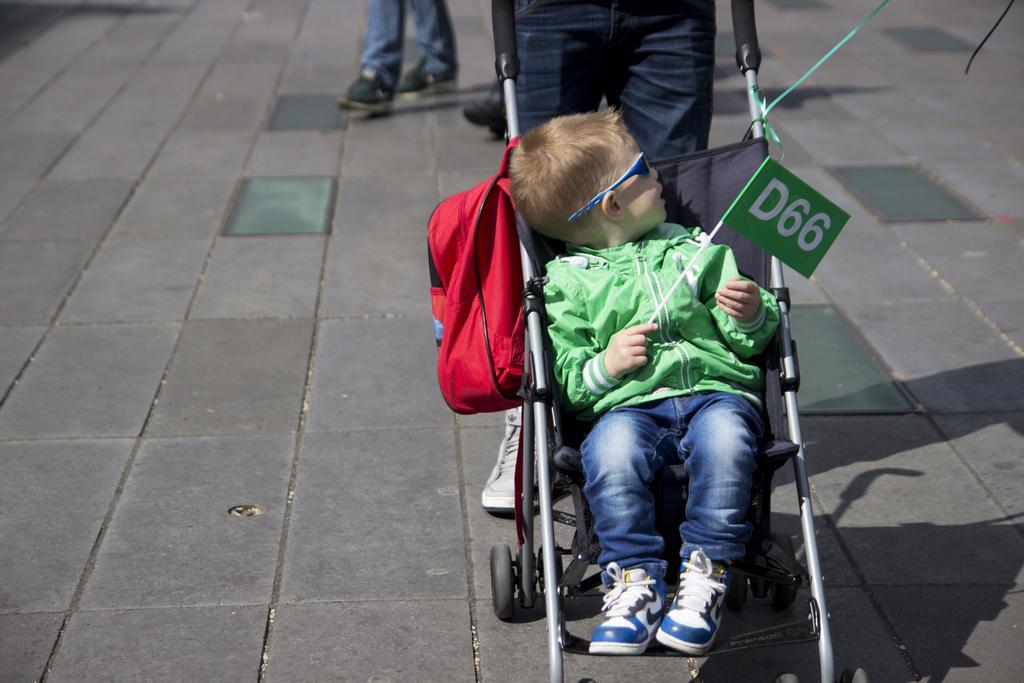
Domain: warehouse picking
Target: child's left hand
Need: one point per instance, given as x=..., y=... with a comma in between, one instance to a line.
x=739, y=298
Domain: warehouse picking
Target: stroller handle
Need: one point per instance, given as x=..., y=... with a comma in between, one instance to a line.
x=748, y=53
x=506, y=61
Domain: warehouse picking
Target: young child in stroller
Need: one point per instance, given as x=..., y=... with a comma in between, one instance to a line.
x=679, y=390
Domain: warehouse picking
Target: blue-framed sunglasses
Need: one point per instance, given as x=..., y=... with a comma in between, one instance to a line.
x=639, y=167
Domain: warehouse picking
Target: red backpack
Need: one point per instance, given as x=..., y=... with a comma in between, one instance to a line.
x=476, y=289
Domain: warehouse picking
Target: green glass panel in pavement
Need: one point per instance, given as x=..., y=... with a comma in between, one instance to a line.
x=902, y=193
x=282, y=206
x=797, y=4
x=305, y=112
x=927, y=39
x=838, y=374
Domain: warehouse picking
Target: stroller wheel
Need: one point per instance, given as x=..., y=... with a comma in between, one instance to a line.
x=854, y=676
x=782, y=595
x=737, y=594
x=503, y=582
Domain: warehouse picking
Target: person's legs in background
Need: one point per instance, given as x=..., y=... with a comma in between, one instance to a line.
x=381, y=61
x=437, y=70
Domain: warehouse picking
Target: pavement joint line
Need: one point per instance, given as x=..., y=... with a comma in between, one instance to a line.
x=474, y=627
x=282, y=549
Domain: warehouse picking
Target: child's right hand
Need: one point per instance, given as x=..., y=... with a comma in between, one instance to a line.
x=627, y=350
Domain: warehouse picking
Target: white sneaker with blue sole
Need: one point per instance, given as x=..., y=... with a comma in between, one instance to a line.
x=692, y=622
x=632, y=612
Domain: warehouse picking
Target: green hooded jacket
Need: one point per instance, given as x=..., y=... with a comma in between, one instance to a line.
x=592, y=294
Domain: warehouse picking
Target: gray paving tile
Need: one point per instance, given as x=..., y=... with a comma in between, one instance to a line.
x=90, y=381
x=261, y=276
x=28, y=155
x=125, y=135
x=254, y=52
x=308, y=75
x=53, y=498
x=201, y=35
x=135, y=36
x=392, y=385
x=36, y=276
x=339, y=507
x=235, y=377
x=386, y=145
x=398, y=264
x=990, y=444
x=212, y=643
x=410, y=198
x=295, y=153
x=866, y=266
x=72, y=100
x=458, y=149
x=887, y=483
x=216, y=112
x=69, y=209
x=846, y=142
x=16, y=344
x=193, y=154
x=155, y=210
x=372, y=641
x=26, y=641
x=12, y=192
x=981, y=644
x=994, y=188
x=138, y=280
x=980, y=260
x=938, y=142
x=172, y=543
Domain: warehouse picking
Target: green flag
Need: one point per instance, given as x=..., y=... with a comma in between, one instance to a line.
x=786, y=217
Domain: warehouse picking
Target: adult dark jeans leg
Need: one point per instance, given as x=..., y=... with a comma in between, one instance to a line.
x=662, y=59
x=562, y=48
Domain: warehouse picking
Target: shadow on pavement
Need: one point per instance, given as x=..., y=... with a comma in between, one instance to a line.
x=20, y=22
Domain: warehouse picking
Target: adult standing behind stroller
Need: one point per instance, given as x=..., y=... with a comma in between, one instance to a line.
x=652, y=59
x=381, y=61
x=682, y=390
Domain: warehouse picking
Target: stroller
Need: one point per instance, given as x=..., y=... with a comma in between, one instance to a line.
x=770, y=567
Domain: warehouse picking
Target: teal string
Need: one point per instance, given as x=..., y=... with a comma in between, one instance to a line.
x=765, y=109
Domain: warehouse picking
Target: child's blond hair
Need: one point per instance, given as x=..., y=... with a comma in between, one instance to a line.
x=561, y=164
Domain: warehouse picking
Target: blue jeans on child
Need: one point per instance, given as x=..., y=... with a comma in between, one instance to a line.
x=713, y=435
x=385, y=31
x=654, y=59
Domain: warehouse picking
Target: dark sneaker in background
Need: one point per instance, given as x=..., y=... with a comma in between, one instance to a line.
x=367, y=94
x=488, y=112
x=419, y=82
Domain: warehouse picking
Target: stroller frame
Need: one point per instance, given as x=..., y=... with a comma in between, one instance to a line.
x=540, y=417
